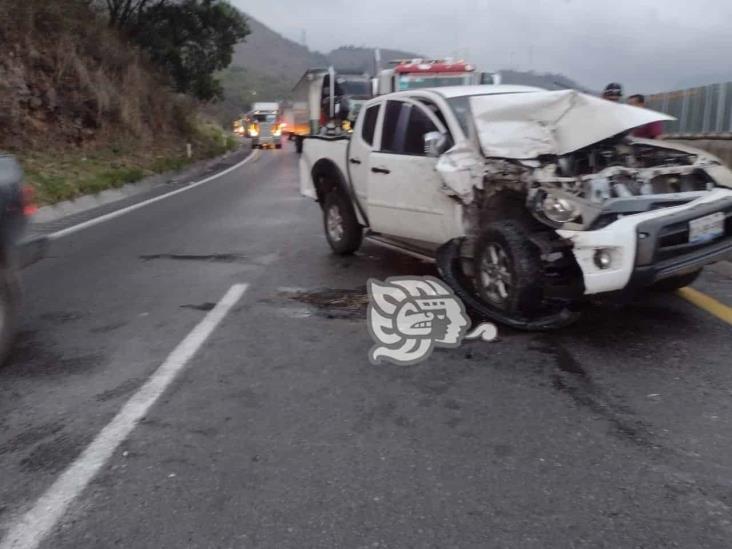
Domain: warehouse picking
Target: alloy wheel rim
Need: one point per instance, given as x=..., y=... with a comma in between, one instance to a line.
x=495, y=274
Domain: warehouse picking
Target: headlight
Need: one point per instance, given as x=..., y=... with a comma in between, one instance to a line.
x=559, y=210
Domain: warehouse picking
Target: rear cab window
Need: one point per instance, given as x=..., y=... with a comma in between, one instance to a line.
x=368, y=129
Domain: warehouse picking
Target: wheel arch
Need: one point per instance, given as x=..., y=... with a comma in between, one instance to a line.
x=327, y=177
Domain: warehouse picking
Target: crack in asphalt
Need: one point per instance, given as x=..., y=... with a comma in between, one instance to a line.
x=211, y=258
x=208, y=306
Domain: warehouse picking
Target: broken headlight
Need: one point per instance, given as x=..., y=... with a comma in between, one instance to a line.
x=559, y=210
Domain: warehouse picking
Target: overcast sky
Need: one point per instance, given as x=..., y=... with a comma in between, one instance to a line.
x=647, y=45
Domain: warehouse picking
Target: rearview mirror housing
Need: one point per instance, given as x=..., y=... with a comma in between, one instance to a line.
x=435, y=144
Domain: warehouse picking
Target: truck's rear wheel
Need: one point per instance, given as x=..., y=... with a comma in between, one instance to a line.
x=507, y=269
x=342, y=229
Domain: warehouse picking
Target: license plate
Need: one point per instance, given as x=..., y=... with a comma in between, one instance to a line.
x=706, y=228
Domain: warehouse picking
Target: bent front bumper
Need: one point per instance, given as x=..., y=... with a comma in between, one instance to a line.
x=647, y=247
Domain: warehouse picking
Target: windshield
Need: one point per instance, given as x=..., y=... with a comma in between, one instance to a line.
x=461, y=107
x=356, y=88
x=417, y=81
x=264, y=117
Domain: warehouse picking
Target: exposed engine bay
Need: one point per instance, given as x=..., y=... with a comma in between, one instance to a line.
x=593, y=187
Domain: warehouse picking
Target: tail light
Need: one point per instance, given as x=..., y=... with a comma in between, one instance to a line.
x=28, y=197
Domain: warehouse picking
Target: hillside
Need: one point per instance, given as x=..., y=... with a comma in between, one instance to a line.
x=82, y=107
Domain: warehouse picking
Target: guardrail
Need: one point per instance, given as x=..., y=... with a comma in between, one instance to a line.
x=704, y=112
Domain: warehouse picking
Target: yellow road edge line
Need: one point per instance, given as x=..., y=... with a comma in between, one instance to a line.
x=709, y=304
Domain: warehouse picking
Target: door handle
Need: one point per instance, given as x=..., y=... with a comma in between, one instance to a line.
x=381, y=170
x=354, y=161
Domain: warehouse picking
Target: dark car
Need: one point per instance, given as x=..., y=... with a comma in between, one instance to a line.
x=15, y=208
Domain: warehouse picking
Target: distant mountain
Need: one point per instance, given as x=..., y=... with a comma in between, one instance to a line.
x=271, y=54
x=267, y=66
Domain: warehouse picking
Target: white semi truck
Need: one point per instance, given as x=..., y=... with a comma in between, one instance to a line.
x=264, y=125
x=323, y=97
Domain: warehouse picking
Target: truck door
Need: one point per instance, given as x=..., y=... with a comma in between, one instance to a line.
x=405, y=199
x=359, y=151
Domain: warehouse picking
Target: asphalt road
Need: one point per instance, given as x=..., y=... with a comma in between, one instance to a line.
x=278, y=432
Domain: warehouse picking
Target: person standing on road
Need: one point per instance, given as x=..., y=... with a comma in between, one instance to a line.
x=648, y=131
x=613, y=92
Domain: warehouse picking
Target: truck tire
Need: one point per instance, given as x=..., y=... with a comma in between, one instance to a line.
x=342, y=230
x=507, y=269
x=676, y=282
x=9, y=309
x=298, y=144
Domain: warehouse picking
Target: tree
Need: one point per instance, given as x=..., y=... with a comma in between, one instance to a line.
x=124, y=12
x=190, y=39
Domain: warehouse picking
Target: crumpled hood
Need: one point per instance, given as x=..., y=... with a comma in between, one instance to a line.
x=527, y=125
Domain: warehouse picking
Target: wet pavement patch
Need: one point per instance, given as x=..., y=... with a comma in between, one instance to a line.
x=53, y=456
x=32, y=355
x=211, y=258
x=570, y=378
x=31, y=436
x=333, y=303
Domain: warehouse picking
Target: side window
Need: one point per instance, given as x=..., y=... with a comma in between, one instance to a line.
x=391, y=122
x=369, y=124
x=419, y=124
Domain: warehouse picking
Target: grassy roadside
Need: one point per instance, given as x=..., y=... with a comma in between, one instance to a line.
x=69, y=174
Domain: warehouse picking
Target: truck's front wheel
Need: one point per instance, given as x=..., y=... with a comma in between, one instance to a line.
x=342, y=229
x=507, y=269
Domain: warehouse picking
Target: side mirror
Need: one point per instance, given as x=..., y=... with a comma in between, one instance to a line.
x=435, y=143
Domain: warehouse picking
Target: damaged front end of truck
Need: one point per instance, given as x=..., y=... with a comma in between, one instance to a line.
x=560, y=205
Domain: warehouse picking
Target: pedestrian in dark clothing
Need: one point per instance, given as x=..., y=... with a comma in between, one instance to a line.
x=613, y=92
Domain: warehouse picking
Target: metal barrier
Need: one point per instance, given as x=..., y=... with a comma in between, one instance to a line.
x=703, y=111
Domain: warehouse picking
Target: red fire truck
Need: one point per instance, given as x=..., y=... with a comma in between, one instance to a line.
x=430, y=73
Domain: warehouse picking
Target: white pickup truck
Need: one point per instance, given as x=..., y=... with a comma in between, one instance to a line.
x=530, y=201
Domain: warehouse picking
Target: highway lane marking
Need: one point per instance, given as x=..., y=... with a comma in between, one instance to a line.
x=707, y=303
x=35, y=524
x=106, y=217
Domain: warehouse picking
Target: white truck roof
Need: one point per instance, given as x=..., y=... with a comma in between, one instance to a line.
x=461, y=91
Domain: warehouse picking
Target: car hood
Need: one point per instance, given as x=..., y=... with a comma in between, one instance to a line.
x=528, y=125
